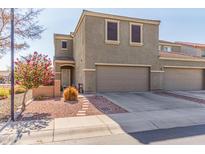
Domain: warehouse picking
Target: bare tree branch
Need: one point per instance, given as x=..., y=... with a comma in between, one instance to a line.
x=26, y=27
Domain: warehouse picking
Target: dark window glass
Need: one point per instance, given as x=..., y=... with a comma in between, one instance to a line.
x=64, y=44
x=136, y=31
x=112, y=31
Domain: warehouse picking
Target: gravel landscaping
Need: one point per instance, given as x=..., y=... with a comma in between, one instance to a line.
x=5, y=105
x=57, y=108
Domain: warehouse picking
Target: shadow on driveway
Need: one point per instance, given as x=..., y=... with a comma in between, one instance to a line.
x=147, y=137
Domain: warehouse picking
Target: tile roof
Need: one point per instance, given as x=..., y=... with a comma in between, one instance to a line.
x=195, y=45
x=178, y=55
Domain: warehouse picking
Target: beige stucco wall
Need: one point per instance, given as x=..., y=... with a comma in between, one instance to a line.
x=156, y=80
x=79, y=54
x=97, y=51
x=181, y=63
x=47, y=91
x=59, y=52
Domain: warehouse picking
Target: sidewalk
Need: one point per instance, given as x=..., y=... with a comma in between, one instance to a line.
x=47, y=131
x=50, y=131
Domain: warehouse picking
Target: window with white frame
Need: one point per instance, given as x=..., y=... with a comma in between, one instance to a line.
x=64, y=44
x=159, y=47
x=111, y=31
x=136, y=34
x=167, y=48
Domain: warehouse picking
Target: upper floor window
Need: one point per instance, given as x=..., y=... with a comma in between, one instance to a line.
x=64, y=44
x=112, y=31
x=136, y=34
x=159, y=47
x=167, y=48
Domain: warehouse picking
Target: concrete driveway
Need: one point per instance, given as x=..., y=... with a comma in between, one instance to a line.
x=147, y=101
x=149, y=111
x=194, y=94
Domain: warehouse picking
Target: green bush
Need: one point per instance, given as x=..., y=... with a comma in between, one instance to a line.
x=19, y=90
x=4, y=92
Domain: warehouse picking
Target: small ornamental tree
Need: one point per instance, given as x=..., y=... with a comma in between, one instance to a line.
x=32, y=71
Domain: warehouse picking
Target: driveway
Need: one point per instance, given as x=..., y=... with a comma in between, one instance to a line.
x=149, y=111
x=194, y=94
x=147, y=101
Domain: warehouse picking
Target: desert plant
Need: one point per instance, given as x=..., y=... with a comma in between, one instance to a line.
x=70, y=94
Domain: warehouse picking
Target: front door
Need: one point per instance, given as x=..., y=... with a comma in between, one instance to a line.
x=65, y=78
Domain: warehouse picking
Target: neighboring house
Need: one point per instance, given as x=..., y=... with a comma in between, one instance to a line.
x=167, y=46
x=109, y=53
x=6, y=77
x=194, y=49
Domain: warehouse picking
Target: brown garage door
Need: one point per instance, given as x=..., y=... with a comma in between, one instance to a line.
x=121, y=78
x=183, y=79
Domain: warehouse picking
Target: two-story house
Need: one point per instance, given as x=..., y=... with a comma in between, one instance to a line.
x=109, y=53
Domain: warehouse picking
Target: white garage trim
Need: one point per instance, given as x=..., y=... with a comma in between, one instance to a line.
x=182, y=59
x=191, y=67
x=156, y=71
x=89, y=70
x=115, y=64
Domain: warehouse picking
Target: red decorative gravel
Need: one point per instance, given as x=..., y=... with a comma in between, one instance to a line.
x=57, y=108
x=197, y=100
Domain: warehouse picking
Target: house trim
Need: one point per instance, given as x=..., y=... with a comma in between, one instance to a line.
x=115, y=64
x=64, y=61
x=188, y=67
x=115, y=17
x=182, y=59
x=156, y=71
x=62, y=37
x=169, y=44
x=141, y=34
x=89, y=70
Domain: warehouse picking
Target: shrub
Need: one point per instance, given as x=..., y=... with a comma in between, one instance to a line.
x=70, y=94
x=19, y=90
x=40, y=98
x=4, y=92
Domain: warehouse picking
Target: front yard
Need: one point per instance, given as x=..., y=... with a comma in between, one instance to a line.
x=58, y=108
x=5, y=104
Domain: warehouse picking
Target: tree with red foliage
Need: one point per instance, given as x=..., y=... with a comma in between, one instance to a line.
x=33, y=70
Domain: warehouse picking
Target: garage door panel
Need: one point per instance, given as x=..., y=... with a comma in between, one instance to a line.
x=183, y=79
x=115, y=78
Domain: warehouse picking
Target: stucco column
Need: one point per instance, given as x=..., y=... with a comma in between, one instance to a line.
x=156, y=79
x=57, y=91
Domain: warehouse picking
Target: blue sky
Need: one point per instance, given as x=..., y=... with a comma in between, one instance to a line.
x=176, y=25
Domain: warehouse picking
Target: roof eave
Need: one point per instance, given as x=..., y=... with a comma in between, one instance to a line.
x=110, y=16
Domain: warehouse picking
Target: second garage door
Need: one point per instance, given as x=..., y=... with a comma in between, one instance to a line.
x=121, y=78
x=183, y=79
